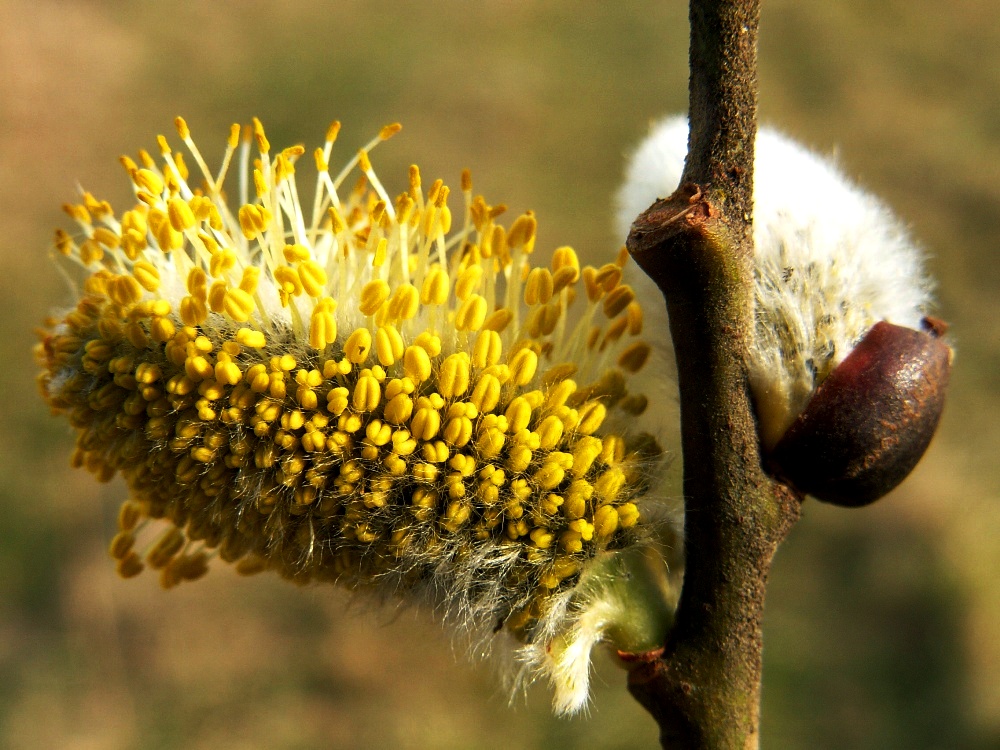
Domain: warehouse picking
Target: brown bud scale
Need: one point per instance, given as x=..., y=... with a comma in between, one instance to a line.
x=870, y=421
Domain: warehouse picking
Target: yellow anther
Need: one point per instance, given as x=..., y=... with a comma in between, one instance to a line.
x=234, y=136
x=149, y=181
x=399, y=408
x=162, y=329
x=538, y=288
x=404, y=303
x=613, y=450
x=458, y=431
x=550, y=504
x=289, y=285
x=438, y=194
x=166, y=236
x=571, y=541
x=583, y=527
x=388, y=345
x=106, y=237
x=550, y=432
x=373, y=295
x=486, y=394
x=182, y=128
x=337, y=222
x=575, y=499
x=542, y=537
x=591, y=415
x=435, y=287
x=336, y=400
x=260, y=184
x=634, y=317
x=590, y=284
x=358, y=346
x=323, y=324
x=518, y=415
x=228, y=373
x=63, y=242
x=608, y=276
x=125, y=290
x=250, y=338
x=91, y=252
x=453, y=375
x=429, y=342
x=313, y=278
x=295, y=253
x=519, y=458
x=487, y=349
x=332, y=130
x=436, y=452
x=367, y=394
x=609, y=485
x=426, y=472
x=407, y=386
x=313, y=378
x=565, y=257
x=198, y=368
x=466, y=181
x=253, y=220
x=250, y=279
x=197, y=283
x=468, y=281
x=471, y=314
x=585, y=452
x=426, y=423
x=605, y=522
x=498, y=320
x=261, y=139
x=238, y=305
x=217, y=296
x=284, y=363
x=634, y=357
x=549, y=476
x=417, y=363
x=181, y=216
x=618, y=299
x=523, y=365
x=628, y=515
x=147, y=373
x=522, y=232
x=490, y=440
x=378, y=432
x=389, y=131
x=463, y=409
x=222, y=262
x=284, y=166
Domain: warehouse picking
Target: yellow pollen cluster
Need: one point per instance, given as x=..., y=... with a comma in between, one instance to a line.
x=368, y=392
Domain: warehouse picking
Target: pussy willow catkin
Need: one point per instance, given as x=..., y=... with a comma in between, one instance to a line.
x=830, y=261
x=353, y=388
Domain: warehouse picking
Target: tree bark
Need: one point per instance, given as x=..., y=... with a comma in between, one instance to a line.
x=697, y=246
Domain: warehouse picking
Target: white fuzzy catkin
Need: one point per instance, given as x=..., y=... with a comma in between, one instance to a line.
x=831, y=261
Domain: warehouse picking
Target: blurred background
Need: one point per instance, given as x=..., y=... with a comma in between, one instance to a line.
x=883, y=624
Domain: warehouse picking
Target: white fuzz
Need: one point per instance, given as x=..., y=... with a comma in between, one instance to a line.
x=625, y=599
x=831, y=261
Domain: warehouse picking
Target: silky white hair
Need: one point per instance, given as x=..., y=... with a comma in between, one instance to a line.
x=831, y=261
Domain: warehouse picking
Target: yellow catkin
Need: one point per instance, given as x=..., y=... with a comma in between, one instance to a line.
x=347, y=396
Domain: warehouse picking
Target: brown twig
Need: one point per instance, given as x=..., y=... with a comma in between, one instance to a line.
x=697, y=246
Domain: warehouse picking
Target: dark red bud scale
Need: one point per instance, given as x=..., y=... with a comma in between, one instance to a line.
x=870, y=421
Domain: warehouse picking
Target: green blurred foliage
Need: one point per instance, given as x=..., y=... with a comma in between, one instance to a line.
x=883, y=625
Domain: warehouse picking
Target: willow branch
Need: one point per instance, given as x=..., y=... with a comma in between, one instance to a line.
x=697, y=246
